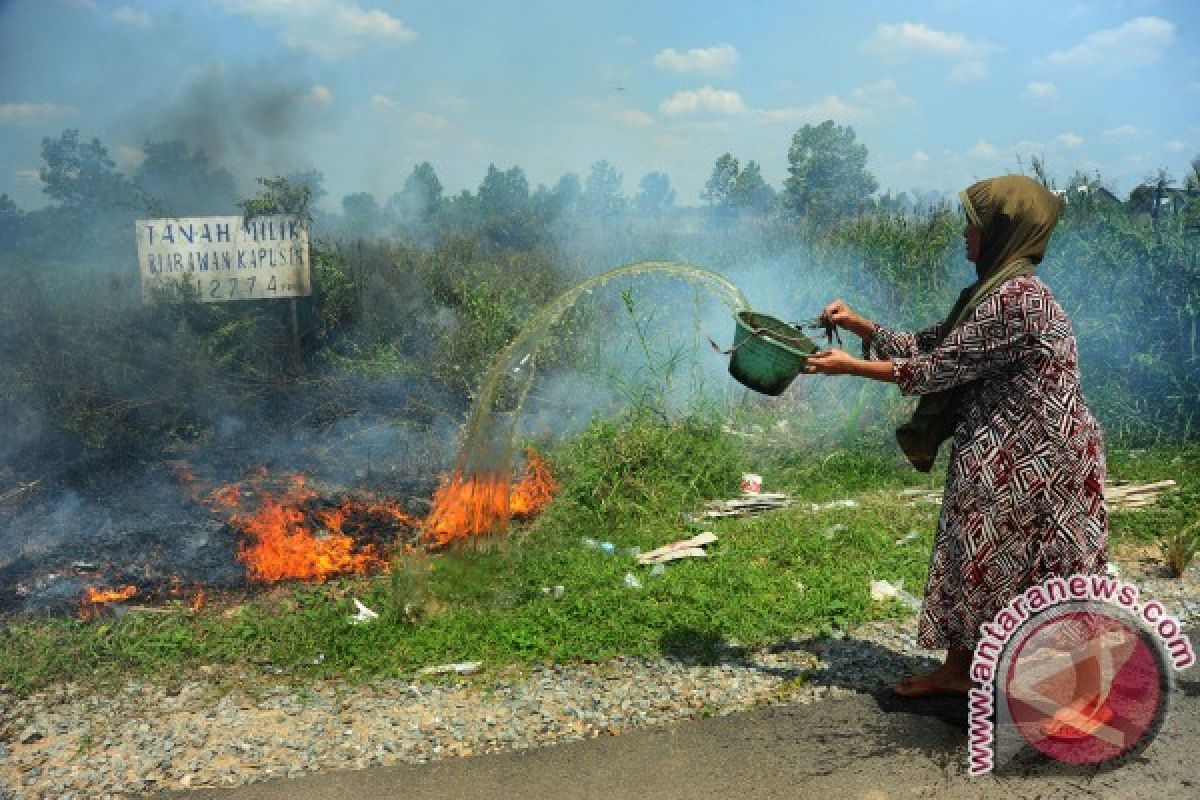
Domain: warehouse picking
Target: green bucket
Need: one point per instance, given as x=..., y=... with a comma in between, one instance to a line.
x=767, y=354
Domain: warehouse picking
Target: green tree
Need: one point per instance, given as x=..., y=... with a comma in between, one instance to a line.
x=420, y=198
x=602, y=196
x=283, y=195
x=175, y=182
x=720, y=185
x=361, y=215
x=655, y=194
x=80, y=175
x=10, y=222
x=750, y=192
x=827, y=173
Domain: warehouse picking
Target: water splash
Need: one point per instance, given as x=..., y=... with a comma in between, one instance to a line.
x=485, y=460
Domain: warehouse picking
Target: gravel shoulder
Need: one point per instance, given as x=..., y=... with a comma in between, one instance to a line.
x=228, y=728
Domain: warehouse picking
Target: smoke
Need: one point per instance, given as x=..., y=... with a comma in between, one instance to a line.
x=255, y=121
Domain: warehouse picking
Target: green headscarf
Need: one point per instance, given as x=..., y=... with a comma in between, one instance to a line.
x=1016, y=215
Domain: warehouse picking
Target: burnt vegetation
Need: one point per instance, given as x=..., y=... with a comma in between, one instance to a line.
x=415, y=293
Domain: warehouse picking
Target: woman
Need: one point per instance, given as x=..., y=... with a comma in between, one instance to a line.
x=1024, y=493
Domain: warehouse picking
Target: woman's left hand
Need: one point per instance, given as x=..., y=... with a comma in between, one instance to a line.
x=830, y=362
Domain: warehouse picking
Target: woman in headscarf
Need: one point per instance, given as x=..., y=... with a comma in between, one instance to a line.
x=1024, y=492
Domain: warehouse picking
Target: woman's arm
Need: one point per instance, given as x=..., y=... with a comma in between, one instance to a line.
x=881, y=343
x=1001, y=330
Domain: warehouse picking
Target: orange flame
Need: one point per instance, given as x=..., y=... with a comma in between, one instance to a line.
x=93, y=599
x=283, y=543
x=482, y=504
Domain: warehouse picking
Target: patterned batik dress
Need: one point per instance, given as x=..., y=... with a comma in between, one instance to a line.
x=1024, y=494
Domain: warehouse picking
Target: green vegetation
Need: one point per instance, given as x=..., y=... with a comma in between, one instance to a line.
x=413, y=298
x=631, y=482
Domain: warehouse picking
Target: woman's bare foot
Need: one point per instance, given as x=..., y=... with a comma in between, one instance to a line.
x=952, y=677
x=942, y=680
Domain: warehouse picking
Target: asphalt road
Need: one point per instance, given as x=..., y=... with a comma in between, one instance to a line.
x=863, y=746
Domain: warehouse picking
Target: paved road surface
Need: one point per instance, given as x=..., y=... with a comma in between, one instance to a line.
x=861, y=746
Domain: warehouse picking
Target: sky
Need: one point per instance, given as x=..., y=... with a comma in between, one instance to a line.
x=941, y=92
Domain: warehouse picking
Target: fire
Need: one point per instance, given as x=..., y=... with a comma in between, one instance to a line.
x=482, y=504
x=94, y=598
x=289, y=533
x=283, y=542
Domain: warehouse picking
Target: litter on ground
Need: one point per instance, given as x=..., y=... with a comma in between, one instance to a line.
x=461, y=668
x=684, y=548
x=364, y=614
x=883, y=590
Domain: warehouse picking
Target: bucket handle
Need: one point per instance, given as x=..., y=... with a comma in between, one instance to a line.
x=754, y=334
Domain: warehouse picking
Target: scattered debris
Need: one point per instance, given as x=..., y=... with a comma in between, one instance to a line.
x=30, y=735
x=883, y=590
x=911, y=536
x=1120, y=495
x=745, y=505
x=1113, y=569
x=1125, y=495
x=658, y=569
x=832, y=504
x=364, y=614
x=684, y=548
x=752, y=483
x=461, y=668
x=554, y=591
x=834, y=530
x=631, y=581
x=319, y=658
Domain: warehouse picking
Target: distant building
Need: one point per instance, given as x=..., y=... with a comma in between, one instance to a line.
x=1095, y=194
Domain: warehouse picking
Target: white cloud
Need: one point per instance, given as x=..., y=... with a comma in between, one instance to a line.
x=715, y=60
x=433, y=122
x=132, y=17
x=1137, y=42
x=1176, y=146
x=864, y=102
x=633, y=117
x=129, y=157
x=983, y=149
x=319, y=95
x=416, y=119
x=29, y=176
x=331, y=29
x=1069, y=140
x=453, y=102
x=1042, y=90
x=916, y=38
x=968, y=71
x=31, y=113
x=1124, y=133
x=690, y=101
x=917, y=162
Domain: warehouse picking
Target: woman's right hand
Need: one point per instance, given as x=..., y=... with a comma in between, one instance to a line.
x=844, y=317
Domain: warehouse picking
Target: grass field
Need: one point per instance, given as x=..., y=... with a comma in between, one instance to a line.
x=630, y=482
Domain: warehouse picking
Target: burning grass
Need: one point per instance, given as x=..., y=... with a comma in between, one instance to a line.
x=768, y=577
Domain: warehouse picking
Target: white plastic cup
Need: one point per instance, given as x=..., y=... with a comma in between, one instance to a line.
x=751, y=483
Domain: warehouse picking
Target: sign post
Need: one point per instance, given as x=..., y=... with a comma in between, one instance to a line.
x=216, y=259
